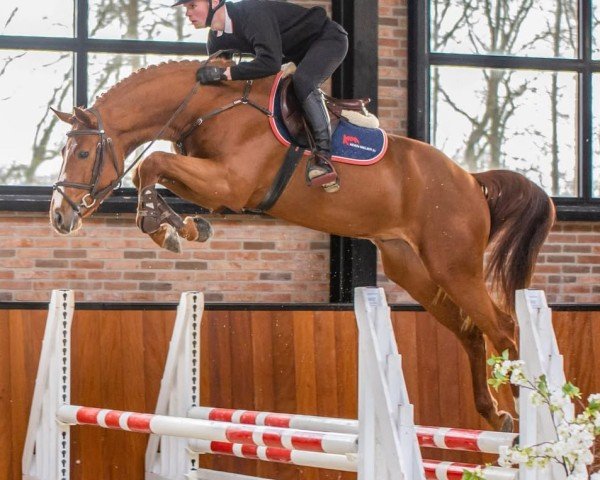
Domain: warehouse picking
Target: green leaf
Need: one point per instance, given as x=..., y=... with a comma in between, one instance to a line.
x=571, y=390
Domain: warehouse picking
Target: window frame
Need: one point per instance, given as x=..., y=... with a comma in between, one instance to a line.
x=35, y=198
x=583, y=207
x=353, y=262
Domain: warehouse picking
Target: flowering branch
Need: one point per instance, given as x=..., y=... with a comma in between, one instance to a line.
x=573, y=447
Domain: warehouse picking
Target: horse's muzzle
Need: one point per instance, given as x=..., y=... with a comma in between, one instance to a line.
x=64, y=219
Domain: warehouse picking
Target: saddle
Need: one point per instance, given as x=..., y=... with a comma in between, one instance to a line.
x=293, y=116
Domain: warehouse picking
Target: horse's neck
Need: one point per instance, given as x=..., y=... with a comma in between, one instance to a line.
x=135, y=114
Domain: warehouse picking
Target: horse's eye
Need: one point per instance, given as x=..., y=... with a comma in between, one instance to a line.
x=83, y=154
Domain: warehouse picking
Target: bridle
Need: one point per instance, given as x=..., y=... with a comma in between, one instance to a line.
x=105, y=143
x=94, y=192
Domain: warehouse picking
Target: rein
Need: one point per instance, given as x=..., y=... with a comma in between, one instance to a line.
x=240, y=101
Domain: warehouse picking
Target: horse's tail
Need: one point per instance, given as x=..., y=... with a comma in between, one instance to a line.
x=522, y=215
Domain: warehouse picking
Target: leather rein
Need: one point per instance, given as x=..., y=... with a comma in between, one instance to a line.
x=240, y=101
x=105, y=144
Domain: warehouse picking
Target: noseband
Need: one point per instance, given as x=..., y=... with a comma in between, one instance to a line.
x=94, y=192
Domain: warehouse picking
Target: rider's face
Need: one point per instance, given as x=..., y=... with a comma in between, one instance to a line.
x=196, y=12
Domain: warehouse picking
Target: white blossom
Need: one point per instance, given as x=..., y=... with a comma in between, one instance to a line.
x=558, y=399
x=594, y=397
x=572, y=447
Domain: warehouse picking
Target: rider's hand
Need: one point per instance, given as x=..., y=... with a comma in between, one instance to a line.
x=210, y=74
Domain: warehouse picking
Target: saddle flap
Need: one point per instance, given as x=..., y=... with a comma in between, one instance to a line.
x=291, y=110
x=351, y=142
x=293, y=116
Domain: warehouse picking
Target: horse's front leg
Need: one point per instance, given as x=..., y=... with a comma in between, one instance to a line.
x=164, y=226
x=157, y=219
x=201, y=181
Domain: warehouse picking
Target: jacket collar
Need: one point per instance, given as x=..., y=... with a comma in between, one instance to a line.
x=228, y=23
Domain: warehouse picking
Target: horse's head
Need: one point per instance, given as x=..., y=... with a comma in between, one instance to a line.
x=89, y=173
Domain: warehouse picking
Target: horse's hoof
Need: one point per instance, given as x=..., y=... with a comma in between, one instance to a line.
x=172, y=241
x=205, y=230
x=507, y=423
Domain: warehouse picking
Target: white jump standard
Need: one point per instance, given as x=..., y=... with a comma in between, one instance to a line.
x=388, y=448
x=383, y=444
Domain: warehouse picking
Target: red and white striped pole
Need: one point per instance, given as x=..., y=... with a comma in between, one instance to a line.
x=324, y=442
x=436, y=470
x=281, y=420
x=464, y=439
x=346, y=463
x=435, y=437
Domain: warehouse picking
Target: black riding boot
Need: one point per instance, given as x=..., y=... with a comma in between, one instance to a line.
x=320, y=171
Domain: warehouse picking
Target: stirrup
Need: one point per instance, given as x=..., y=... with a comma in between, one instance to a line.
x=322, y=175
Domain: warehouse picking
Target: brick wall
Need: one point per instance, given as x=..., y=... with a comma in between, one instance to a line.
x=393, y=53
x=250, y=259
x=568, y=267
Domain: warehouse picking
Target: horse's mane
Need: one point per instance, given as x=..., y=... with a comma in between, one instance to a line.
x=165, y=68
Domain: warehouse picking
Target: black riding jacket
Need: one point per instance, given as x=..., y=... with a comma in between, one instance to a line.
x=274, y=31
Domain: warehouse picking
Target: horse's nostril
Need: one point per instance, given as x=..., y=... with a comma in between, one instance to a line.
x=57, y=218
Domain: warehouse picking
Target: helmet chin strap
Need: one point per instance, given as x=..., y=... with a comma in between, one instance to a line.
x=212, y=11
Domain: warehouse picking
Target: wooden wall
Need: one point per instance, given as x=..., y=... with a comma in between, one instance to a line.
x=296, y=362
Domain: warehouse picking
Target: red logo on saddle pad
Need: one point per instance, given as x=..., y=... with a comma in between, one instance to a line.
x=349, y=140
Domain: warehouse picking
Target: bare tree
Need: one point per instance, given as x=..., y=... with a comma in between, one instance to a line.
x=138, y=20
x=443, y=30
x=561, y=34
x=496, y=27
x=502, y=21
x=565, y=16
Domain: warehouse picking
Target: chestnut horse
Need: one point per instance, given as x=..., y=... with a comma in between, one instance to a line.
x=430, y=219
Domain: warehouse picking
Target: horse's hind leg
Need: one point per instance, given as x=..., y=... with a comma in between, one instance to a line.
x=458, y=269
x=404, y=267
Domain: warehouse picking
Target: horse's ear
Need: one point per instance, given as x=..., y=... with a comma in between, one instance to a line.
x=65, y=117
x=85, y=117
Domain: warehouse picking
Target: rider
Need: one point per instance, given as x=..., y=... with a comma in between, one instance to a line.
x=277, y=32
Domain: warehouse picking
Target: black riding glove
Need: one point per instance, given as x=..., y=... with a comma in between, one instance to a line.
x=210, y=75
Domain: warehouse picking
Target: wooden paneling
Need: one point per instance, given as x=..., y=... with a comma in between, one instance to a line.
x=304, y=362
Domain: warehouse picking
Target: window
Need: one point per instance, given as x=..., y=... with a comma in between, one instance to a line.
x=510, y=84
x=60, y=53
